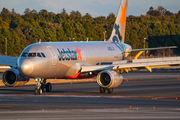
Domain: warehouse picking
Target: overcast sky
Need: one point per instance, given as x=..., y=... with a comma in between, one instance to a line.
x=93, y=7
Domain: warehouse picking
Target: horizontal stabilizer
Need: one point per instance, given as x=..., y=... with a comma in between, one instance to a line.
x=148, y=49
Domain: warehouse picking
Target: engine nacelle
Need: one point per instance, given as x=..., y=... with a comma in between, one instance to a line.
x=109, y=79
x=13, y=78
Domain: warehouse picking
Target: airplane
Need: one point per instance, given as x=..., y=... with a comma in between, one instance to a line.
x=105, y=60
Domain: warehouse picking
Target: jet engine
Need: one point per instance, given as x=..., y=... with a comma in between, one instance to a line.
x=13, y=78
x=109, y=79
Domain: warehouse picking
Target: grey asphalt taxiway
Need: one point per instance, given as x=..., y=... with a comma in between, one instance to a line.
x=142, y=96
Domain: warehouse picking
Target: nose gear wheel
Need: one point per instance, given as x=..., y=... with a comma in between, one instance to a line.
x=41, y=86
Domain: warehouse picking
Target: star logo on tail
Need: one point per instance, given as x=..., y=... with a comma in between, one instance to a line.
x=79, y=53
x=123, y=17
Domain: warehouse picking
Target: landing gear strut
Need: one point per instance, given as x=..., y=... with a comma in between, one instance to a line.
x=41, y=86
x=38, y=90
x=103, y=90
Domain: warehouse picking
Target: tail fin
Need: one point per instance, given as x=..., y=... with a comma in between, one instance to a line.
x=118, y=32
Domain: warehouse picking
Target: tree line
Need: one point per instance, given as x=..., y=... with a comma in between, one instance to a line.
x=159, y=26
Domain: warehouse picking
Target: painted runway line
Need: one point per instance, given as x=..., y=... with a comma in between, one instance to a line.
x=88, y=96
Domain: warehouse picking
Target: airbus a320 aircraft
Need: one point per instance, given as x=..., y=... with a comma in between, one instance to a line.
x=57, y=60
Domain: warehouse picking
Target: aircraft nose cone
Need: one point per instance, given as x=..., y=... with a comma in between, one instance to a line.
x=26, y=67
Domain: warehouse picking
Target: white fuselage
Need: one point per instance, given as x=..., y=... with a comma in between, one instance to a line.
x=64, y=59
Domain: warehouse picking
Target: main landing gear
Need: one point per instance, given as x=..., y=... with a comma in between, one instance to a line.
x=41, y=86
x=103, y=90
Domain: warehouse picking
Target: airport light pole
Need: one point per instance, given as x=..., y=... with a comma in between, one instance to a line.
x=144, y=44
x=6, y=46
x=104, y=35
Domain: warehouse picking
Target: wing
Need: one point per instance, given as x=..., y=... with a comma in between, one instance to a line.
x=149, y=64
x=8, y=60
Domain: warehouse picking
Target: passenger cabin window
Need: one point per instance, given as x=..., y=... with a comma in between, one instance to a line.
x=32, y=55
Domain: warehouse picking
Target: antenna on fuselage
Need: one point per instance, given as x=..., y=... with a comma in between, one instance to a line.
x=39, y=40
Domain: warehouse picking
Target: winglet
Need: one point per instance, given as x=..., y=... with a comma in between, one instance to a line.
x=118, y=32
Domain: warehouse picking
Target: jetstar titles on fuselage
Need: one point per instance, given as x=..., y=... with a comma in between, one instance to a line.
x=68, y=54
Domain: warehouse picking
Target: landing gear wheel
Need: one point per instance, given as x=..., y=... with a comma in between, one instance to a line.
x=102, y=90
x=42, y=87
x=48, y=87
x=35, y=91
x=40, y=91
x=110, y=90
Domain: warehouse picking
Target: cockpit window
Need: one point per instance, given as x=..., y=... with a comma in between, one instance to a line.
x=32, y=55
x=43, y=55
x=24, y=54
x=39, y=55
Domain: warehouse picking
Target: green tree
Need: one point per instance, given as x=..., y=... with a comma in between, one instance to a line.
x=134, y=39
x=49, y=35
x=110, y=20
x=76, y=16
x=5, y=11
x=69, y=30
x=61, y=35
x=80, y=32
x=37, y=34
x=99, y=32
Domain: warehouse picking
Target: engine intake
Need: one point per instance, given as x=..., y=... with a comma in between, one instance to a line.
x=13, y=78
x=109, y=79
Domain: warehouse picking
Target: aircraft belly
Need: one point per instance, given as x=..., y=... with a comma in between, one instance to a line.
x=52, y=72
x=57, y=71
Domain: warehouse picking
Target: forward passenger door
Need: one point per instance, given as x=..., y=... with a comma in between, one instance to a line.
x=53, y=55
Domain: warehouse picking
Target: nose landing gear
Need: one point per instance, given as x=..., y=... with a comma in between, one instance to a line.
x=41, y=86
x=38, y=90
